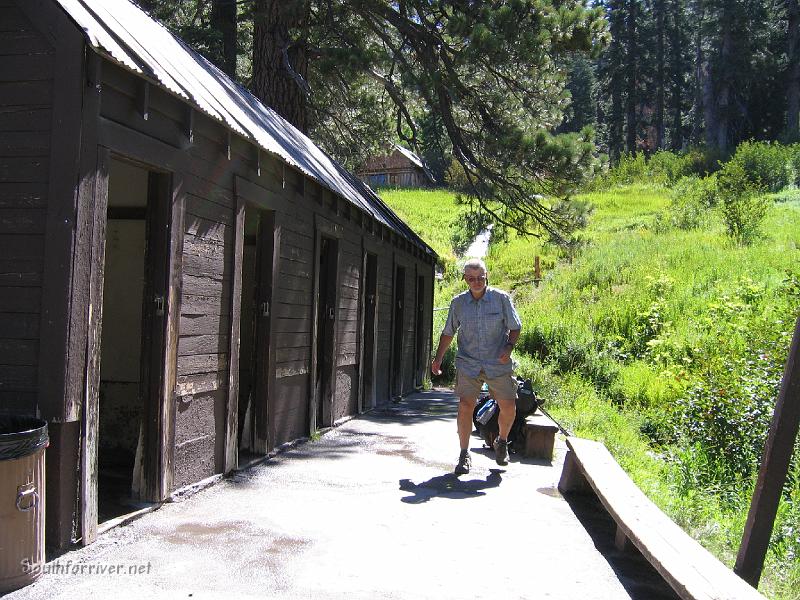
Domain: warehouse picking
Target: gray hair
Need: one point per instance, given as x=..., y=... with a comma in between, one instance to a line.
x=475, y=263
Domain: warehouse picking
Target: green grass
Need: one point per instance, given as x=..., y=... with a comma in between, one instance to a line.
x=432, y=214
x=666, y=344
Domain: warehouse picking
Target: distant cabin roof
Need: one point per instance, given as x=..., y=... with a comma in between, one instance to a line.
x=123, y=32
x=389, y=161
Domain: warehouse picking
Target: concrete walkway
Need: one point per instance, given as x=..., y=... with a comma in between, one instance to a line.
x=370, y=511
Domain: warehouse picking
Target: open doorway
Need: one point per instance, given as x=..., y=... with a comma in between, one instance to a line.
x=254, y=351
x=133, y=335
x=324, y=344
x=369, y=327
x=398, y=331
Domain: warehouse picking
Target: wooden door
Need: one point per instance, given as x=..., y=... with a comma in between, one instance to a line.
x=325, y=341
x=263, y=328
x=398, y=331
x=154, y=331
x=420, y=347
x=369, y=291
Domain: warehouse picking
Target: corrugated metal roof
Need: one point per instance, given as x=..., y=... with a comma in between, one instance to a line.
x=126, y=34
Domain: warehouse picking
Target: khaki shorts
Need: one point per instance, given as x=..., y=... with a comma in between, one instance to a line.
x=503, y=387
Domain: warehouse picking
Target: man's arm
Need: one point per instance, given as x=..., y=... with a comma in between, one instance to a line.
x=444, y=344
x=505, y=354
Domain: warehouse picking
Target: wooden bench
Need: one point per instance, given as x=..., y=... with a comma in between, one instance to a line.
x=540, y=436
x=691, y=570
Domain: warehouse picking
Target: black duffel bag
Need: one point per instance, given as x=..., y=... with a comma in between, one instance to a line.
x=486, y=413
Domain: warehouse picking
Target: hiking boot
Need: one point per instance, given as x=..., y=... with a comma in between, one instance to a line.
x=464, y=464
x=501, y=451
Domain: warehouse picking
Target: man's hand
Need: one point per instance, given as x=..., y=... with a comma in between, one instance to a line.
x=505, y=355
x=436, y=366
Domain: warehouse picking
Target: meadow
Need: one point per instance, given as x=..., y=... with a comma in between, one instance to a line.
x=666, y=343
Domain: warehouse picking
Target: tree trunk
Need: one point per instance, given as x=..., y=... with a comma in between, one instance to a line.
x=631, y=76
x=659, y=109
x=616, y=82
x=280, y=64
x=724, y=87
x=676, y=72
x=793, y=71
x=700, y=75
x=223, y=20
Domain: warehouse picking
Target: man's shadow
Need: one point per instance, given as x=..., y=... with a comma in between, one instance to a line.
x=449, y=486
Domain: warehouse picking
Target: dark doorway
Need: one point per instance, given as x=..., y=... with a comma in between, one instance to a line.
x=398, y=331
x=370, y=290
x=420, y=347
x=132, y=342
x=324, y=345
x=258, y=254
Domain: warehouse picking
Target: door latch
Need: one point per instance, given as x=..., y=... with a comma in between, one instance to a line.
x=331, y=313
x=159, y=302
x=264, y=309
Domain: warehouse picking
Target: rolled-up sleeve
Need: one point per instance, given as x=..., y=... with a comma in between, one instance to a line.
x=513, y=321
x=452, y=323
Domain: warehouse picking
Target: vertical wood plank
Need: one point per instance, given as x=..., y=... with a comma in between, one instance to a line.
x=173, y=298
x=271, y=370
x=312, y=397
x=362, y=298
x=232, y=411
x=157, y=415
x=91, y=405
x=72, y=154
x=774, y=467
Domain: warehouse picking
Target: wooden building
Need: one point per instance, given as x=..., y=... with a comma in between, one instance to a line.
x=398, y=168
x=186, y=281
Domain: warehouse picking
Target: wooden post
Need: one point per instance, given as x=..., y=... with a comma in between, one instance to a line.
x=537, y=271
x=774, y=467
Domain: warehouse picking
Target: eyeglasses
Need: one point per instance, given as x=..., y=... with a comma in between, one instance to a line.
x=479, y=279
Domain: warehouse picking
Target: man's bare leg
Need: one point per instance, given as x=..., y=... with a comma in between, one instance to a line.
x=466, y=406
x=508, y=410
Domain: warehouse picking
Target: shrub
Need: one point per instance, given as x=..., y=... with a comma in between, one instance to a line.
x=690, y=200
x=630, y=169
x=669, y=167
x=702, y=161
x=742, y=203
x=765, y=164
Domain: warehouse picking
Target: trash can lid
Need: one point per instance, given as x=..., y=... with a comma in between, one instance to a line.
x=21, y=436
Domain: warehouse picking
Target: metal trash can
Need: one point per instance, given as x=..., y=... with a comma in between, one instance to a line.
x=22, y=444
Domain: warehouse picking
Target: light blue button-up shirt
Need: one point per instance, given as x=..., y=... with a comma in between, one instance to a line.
x=482, y=327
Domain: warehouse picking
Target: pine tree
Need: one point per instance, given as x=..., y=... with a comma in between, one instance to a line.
x=489, y=72
x=792, y=131
x=659, y=12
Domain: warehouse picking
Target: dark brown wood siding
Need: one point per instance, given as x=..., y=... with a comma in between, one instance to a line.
x=208, y=171
x=26, y=103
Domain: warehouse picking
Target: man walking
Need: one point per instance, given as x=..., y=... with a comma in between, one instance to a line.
x=488, y=327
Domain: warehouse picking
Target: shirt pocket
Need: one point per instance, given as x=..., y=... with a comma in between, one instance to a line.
x=493, y=324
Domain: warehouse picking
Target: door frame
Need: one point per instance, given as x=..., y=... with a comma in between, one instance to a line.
x=323, y=228
x=365, y=404
x=251, y=194
x=158, y=414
